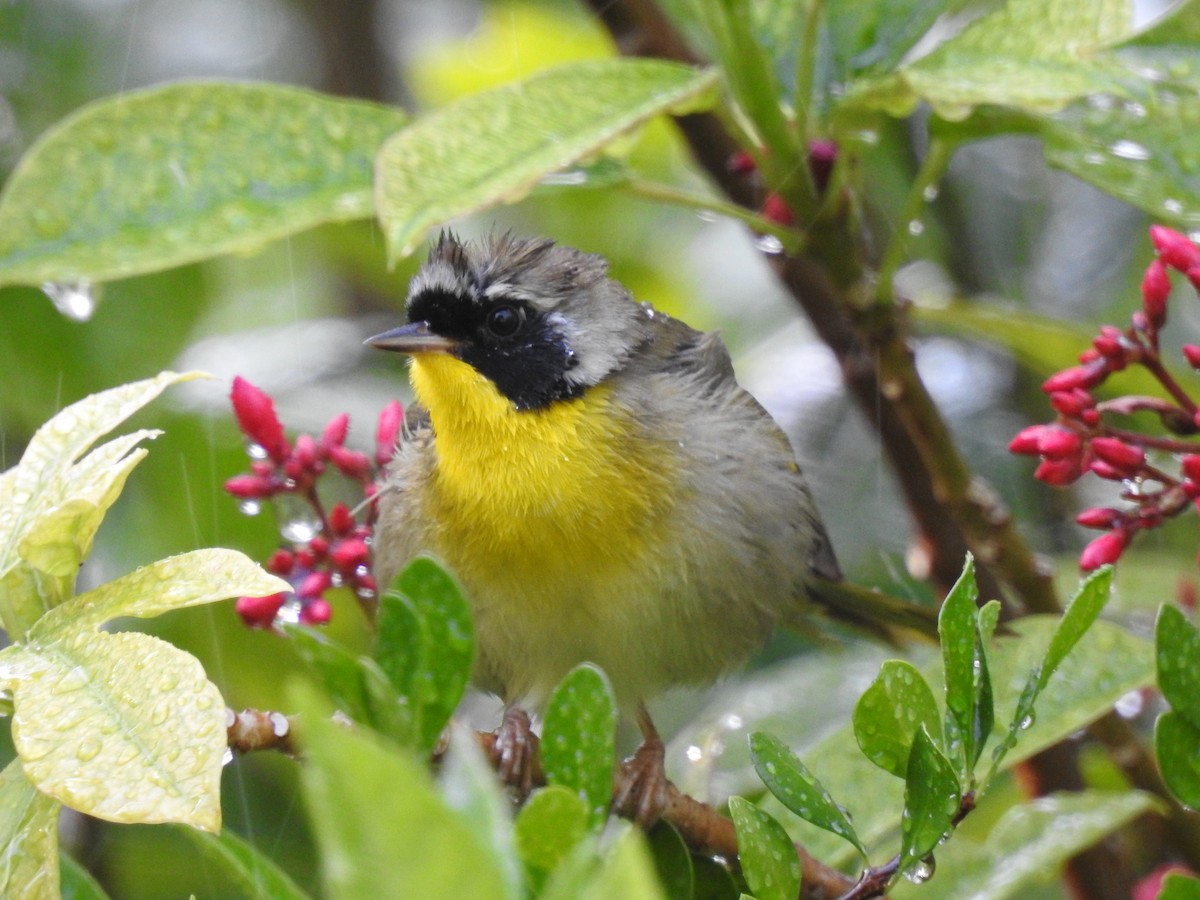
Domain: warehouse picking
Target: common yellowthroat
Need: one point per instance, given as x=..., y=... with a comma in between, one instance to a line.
x=593, y=474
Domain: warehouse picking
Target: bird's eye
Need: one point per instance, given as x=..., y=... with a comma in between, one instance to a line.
x=504, y=321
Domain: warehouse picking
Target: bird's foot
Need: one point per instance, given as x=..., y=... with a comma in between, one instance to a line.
x=515, y=751
x=641, y=792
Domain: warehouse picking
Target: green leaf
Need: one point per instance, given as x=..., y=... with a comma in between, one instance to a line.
x=786, y=777
x=627, y=872
x=152, y=179
x=549, y=826
x=400, y=642
x=52, y=502
x=1166, y=52
x=494, y=147
x=873, y=35
x=382, y=828
x=1177, y=886
x=961, y=648
x=768, y=857
x=246, y=867
x=447, y=644
x=1035, y=55
x=1177, y=745
x=355, y=684
x=1141, y=151
x=887, y=717
x=77, y=882
x=931, y=800
x=1027, y=842
x=28, y=838
x=672, y=860
x=1177, y=655
x=578, y=739
x=1080, y=616
x=123, y=727
x=711, y=880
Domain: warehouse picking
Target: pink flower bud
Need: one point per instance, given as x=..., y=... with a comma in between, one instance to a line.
x=1192, y=354
x=1119, y=455
x=1058, y=443
x=1057, y=472
x=249, y=486
x=1090, y=417
x=255, y=412
x=316, y=611
x=318, y=547
x=281, y=562
x=822, y=155
x=1174, y=248
x=387, y=433
x=314, y=585
x=335, y=432
x=341, y=522
x=1101, y=469
x=350, y=463
x=1107, y=347
x=774, y=209
x=1027, y=439
x=1193, y=275
x=348, y=554
x=1091, y=354
x=1103, y=550
x=1191, y=467
x=1083, y=377
x=1072, y=403
x=364, y=586
x=306, y=452
x=1099, y=517
x=1156, y=288
x=260, y=612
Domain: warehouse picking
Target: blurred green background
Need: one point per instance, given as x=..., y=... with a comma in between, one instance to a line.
x=1003, y=235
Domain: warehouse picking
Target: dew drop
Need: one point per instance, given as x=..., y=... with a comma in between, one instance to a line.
x=922, y=871
x=1127, y=149
x=916, y=227
x=289, y=612
x=1130, y=705
x=88, y=749
x=769, y=244
x=250, y=507
x=1026, y=723
x=256, y=451
x=930, y=193
x=74, y=299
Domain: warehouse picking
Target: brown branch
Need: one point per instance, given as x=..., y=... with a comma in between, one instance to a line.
x=256, y=729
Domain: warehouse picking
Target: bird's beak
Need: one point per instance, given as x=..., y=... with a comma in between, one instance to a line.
x=414, y=337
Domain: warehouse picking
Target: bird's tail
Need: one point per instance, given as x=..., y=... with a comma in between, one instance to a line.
x=890, y=619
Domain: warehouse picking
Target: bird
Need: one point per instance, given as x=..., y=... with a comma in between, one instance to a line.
x=592, y=473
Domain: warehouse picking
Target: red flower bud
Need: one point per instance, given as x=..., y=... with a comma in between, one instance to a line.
x=306, y=452
x=255, y=412
x=316, y=612
x=1107, y=347
x=1192, y=354
x=1072, y=403
x=741, y=163
x=1101, y=469
x=1174, y=248
x=350, y=463
x=364, y=586
x=341, y=522
x=1191, y=467
x=1091, y=354
x=314, y=585
x=1119, y=455
x=318, y=547
x=305, y=559
x=387, y=433
x=1085, y=376
x=281, y=562
x=1057, y=472
x=260, y=612
x=249, y=486
x=1099, y=517
x=335, y=432
x=1058, y=443
x=1103, y=550
x=1156, y=288
x=1027, y=439
x=822, y=155
x=1193, y=275
x=774, y=209
x=1090, y=417
x=348, y=554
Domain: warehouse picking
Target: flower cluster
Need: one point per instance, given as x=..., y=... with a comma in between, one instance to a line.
x=328, y=549
x=1082, y=438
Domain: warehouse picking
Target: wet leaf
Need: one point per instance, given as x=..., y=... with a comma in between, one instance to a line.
x=1177, y=746
x=148, y=180
x=873, y=35
x=493, y=147
x=578, y=739
x=672, y=860
x=890, y=713
x=1177, y=656
x=768, y=857
x=931, y=801
x=28, y=838
x=959, y=633
x=795, y=787
x=245, y=865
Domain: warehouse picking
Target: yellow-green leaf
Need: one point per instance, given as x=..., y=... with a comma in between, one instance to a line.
x=151, y=179
x=493, y=147
x=28, y=838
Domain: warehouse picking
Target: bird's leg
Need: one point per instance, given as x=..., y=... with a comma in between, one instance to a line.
x=515, y=750
x=641, y=792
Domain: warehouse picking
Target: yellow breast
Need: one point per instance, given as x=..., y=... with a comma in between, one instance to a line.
x=538, y=500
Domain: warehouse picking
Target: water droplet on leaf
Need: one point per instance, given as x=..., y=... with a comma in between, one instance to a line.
x=74, y=299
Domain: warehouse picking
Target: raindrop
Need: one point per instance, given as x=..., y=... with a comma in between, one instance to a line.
x=227, y=757
x=88, y=749
x=250, y=507
x=930, y=193
x=569, y=178
x=922, y=871
x=1026, y=723
x=74, y=299
x=256, y=451
x=706, y=215
x=1127, y=149
x=1172, y=205
x=1130, y=705
x=289, y=612
x=769, y=244
x=300, y=530
x=694, y=754
x=916, y=227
